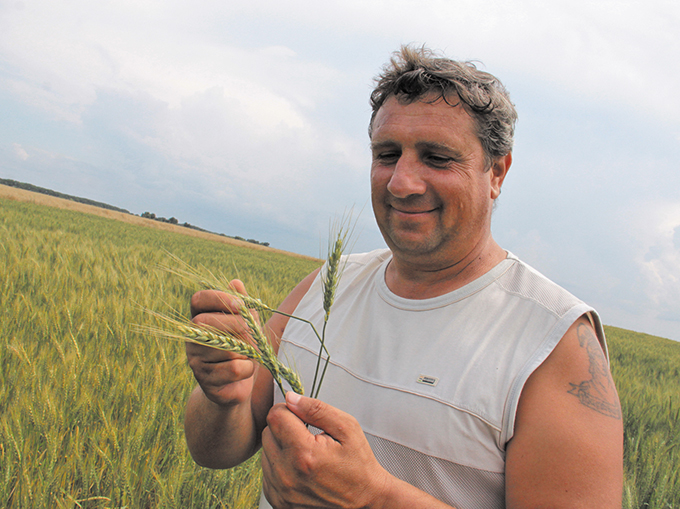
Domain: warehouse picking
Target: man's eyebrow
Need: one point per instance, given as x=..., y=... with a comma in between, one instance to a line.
x=422, y=145
x=442, y=147
x=383, y=144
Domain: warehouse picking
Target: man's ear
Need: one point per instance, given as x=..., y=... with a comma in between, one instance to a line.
x=499, y=169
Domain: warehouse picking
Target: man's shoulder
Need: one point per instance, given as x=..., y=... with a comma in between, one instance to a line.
x=523, y=280
x=358, y=266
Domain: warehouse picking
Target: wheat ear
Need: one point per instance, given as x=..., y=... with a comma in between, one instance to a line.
x=330, y=278
x=264, y=354
x=214, y=338
x=205, y=278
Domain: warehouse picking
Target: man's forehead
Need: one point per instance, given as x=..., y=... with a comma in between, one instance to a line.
x=428, y=112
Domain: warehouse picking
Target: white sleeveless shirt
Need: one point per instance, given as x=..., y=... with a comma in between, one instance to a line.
x=434, y=383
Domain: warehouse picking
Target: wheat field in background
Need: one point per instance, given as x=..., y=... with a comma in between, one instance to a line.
x=91, y=409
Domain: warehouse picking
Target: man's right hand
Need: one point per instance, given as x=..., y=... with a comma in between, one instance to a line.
x=226, y=414
x=226, y=378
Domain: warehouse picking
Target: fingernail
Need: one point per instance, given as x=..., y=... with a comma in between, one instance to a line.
x=293, y=398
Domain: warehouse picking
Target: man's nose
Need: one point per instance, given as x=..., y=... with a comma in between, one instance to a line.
x=406, y=179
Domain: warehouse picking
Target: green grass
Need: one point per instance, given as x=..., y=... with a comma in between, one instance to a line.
x=91, y=410
x=646, y=370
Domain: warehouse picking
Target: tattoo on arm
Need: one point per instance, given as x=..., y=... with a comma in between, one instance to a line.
x=599, y=392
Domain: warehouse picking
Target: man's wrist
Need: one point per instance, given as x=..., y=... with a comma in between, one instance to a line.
x=393, y=493
x=382, y=489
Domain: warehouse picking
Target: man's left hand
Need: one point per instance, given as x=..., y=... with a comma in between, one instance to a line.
x=336, y=468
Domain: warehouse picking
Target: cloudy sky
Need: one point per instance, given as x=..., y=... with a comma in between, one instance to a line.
x=249, y=118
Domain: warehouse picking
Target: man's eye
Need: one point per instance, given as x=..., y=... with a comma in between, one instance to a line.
x=387, y=156
x=436, y=160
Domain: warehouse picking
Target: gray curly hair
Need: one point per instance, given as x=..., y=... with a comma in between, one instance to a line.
x=414, y=73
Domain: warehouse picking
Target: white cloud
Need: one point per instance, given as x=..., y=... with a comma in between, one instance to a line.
x=604, y=51
x=60, y=60
x=258, y=110
x=19, y=151
x=659, y=257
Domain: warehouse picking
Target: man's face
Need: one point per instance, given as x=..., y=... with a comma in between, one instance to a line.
x=431, y=194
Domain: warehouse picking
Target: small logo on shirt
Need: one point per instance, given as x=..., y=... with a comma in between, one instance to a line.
x=428, y=380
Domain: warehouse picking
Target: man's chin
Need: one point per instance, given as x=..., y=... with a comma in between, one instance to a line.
x=411, y=245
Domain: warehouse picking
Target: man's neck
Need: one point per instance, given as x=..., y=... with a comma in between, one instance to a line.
x=420, y=279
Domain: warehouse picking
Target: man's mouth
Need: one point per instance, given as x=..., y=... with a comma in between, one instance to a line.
x=410, y=211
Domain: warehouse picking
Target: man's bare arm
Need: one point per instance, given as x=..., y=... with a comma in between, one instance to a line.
x=567, y=450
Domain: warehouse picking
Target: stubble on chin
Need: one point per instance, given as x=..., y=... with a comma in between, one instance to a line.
x=406, y=240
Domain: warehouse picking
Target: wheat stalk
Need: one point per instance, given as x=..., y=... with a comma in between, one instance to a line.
x=183, y=330
x=263, y=352
x=330, y=278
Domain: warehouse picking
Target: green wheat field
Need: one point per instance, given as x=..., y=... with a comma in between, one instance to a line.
x=91, y=409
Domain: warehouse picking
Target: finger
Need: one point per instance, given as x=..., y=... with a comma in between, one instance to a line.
x=280, y=459
x=232, y=324
x=285, y=427
x=218, y=379
x=227, y=391
x=208, y=301
x=334, y=422
x=270, y=445
x=238, y=286
x=269, y=475
x=199, y=352
x=223, y=373
x=208, y=354
x=220, y=374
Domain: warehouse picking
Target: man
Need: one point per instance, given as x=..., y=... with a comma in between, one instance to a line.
x=460, y=377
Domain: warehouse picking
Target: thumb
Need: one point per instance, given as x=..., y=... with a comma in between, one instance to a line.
x=330, y=420
x=238, y=286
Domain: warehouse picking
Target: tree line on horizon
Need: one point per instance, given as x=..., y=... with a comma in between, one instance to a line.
x=147, y=215
x=174, y=220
